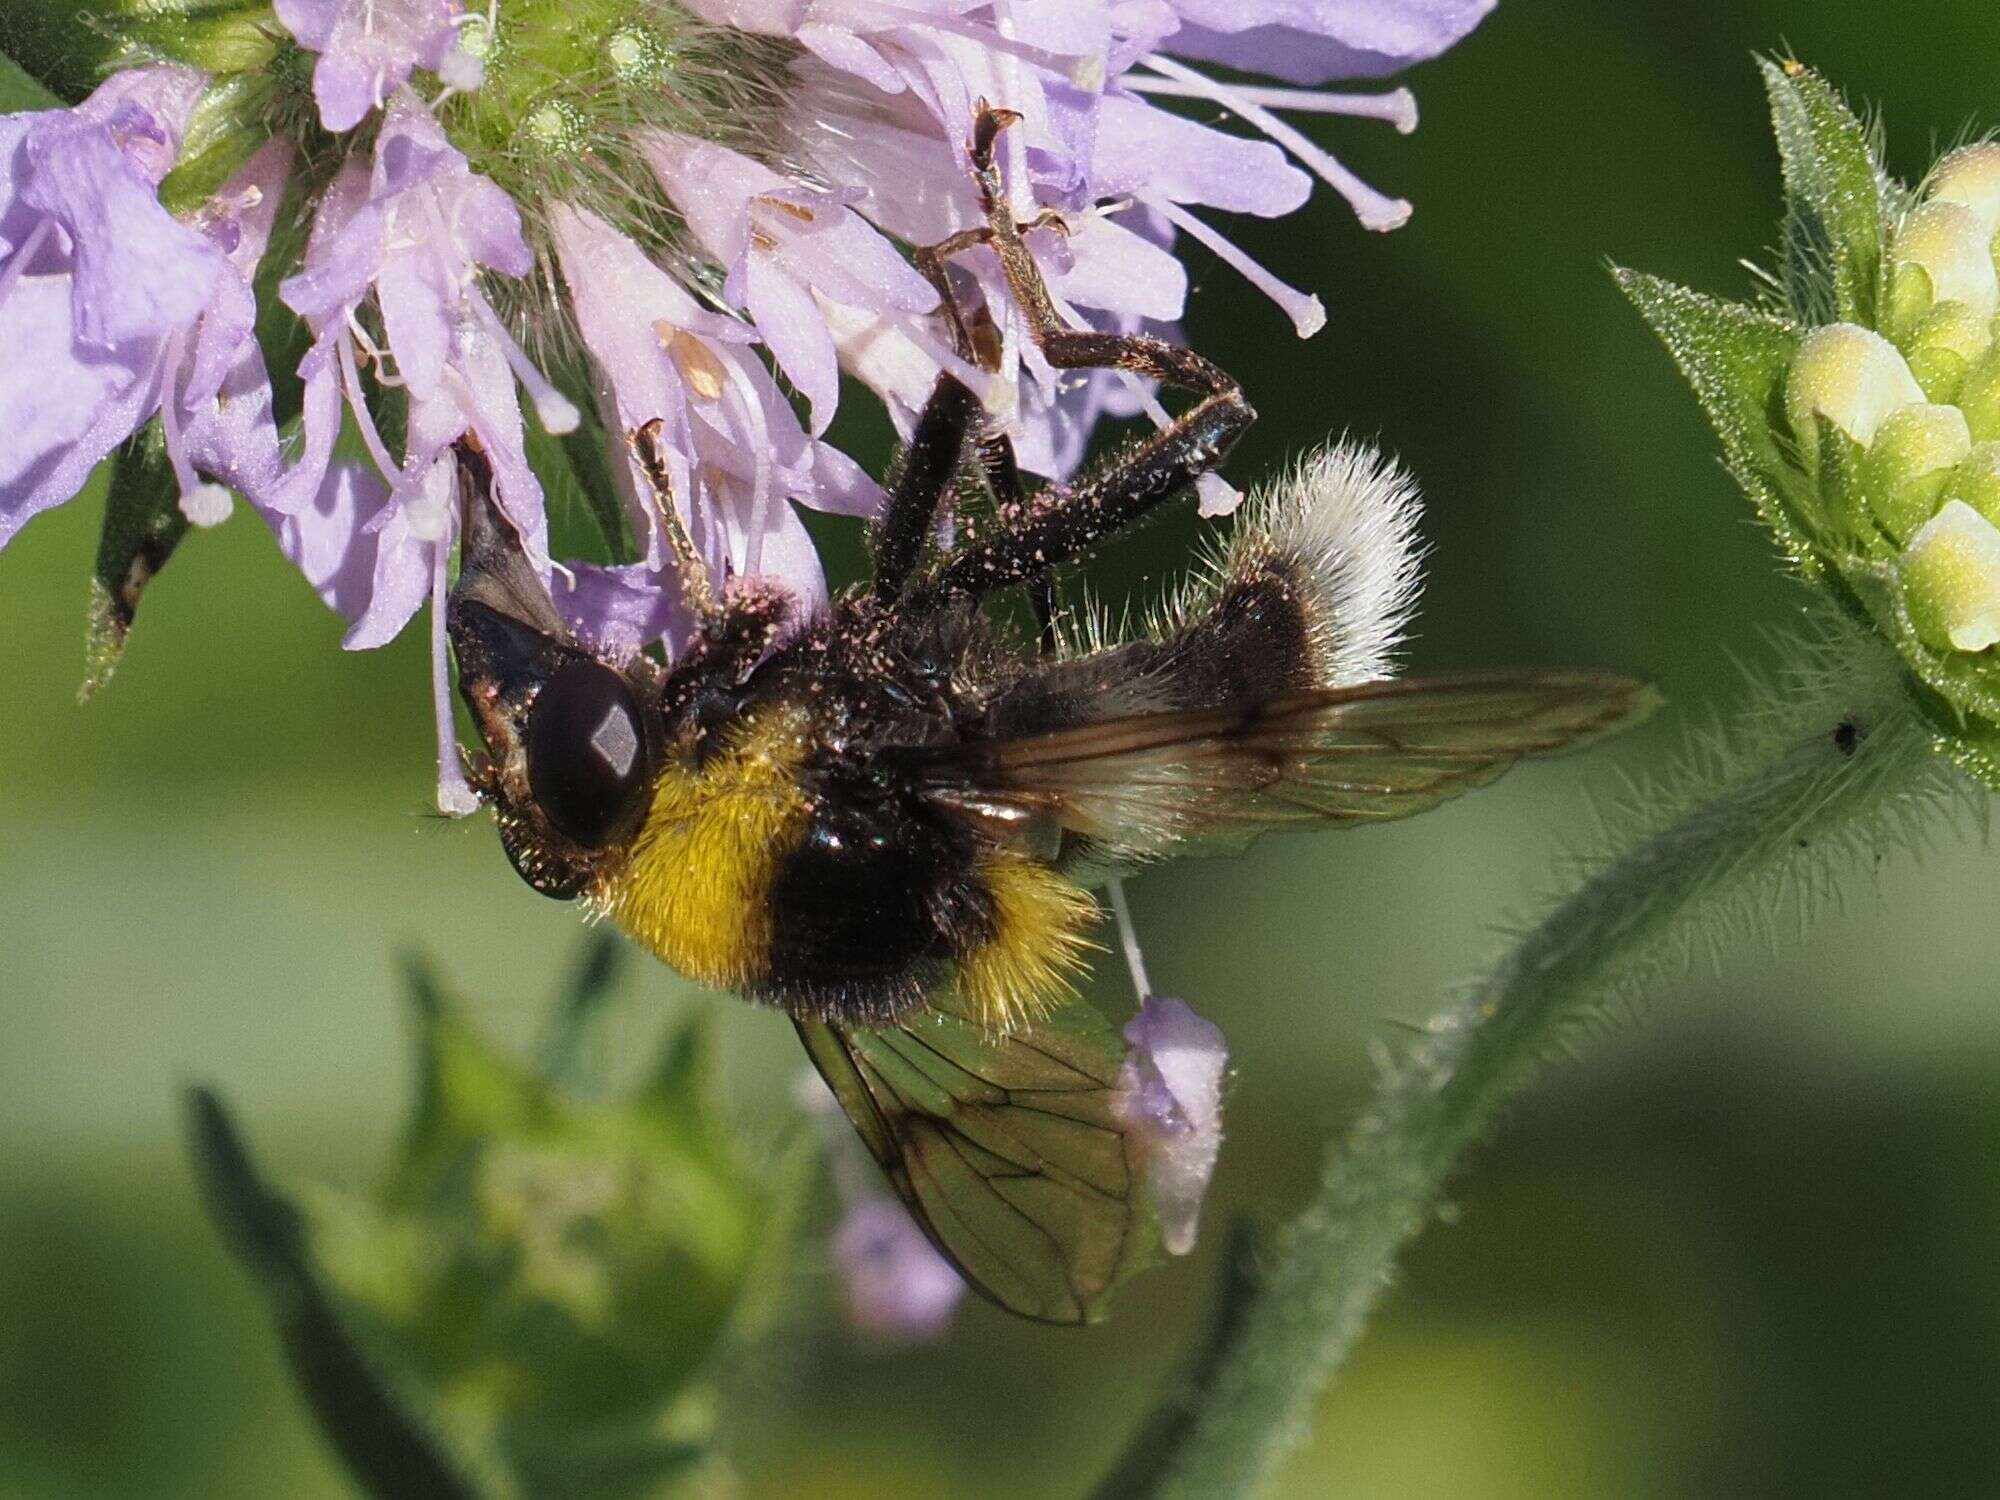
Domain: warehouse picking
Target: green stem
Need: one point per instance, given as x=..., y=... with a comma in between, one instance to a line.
x=1774, y=811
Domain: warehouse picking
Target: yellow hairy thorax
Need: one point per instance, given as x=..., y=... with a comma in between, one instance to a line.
x=695, y=888
x=1028, y=967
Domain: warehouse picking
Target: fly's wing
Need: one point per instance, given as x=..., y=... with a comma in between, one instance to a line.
x=1006, y=1148
x=1146, y=785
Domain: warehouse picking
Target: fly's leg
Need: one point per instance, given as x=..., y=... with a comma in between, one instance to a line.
x=952, y=415
x=1064, y=521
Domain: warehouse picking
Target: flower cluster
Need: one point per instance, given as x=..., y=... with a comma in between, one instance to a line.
x=535, y=1298
x=626, y=212
x=1860, y=407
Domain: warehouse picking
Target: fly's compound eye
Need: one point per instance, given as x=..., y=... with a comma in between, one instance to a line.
x=586, y=747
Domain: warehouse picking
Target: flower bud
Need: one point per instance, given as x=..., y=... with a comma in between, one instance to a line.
x=1913, y=458
x=1853, y=377
x=894, y=1283
x=1976, y=482
x=1979, y=398
x=1951, y=579
x=1971, y=176
x=1950, y=243
x=1170, y=1093
x=1945, y=344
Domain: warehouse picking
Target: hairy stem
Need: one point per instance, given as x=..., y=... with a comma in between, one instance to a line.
x=1835, y=765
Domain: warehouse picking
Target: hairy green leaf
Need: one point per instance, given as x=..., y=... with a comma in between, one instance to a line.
x=1833, y=195
x=143, y=525
x=366, y=1416
x=1736, y=358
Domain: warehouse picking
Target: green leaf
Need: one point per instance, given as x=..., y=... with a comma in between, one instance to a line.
x=1833, y=192
x=365, y=1414
x=585, y=518
x=1736, y=358
x=143, y=525
x=224, y=132
x=589, y=454
x=564, y=1054
x=19, y=90
x=217, y=36
x=1008, y=1150
x=60, y=44
x=467, y=1092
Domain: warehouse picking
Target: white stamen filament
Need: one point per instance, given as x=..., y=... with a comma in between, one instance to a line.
x=364, y=420
x=202, y=503
x=556, y=412
x=1128, y=939
x=1398, y=107
x=378, y=357
x=1375, y=210
x=455, y=797
x=740, y=398
x=1308, y=313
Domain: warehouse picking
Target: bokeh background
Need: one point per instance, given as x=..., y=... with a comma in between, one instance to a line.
x=1746, y=1248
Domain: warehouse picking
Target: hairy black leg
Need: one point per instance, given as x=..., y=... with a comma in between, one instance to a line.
x=950, y=416
x=930, y=464
x=1063, y=522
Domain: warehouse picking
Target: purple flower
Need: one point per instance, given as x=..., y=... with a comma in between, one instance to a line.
x=369, y=48
x=765, y=234
x=411, y=234
x=1170, y=1096
x=894, y=1283
x=788, y=251
x=733, y=448
x=100, y=286
x=1316, y=41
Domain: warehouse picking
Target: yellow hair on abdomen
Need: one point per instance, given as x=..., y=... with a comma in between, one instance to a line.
x=1029, y=966
x=696, y=887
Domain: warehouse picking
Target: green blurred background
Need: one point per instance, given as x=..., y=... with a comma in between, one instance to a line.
x=1745, y=1249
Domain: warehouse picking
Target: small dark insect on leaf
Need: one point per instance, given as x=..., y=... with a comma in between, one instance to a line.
x=1846, y=736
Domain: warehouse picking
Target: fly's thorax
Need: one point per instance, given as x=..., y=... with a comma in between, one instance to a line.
x=695, y=885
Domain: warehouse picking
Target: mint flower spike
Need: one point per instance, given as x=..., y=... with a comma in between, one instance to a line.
x=1859, y=401
x=535, y=1301
x=496, y=190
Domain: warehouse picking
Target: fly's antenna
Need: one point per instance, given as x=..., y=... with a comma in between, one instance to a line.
x=697, y=587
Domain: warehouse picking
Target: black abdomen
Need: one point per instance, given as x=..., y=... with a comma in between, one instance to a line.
x=869, y=909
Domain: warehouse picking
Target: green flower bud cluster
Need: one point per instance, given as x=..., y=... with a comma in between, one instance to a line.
x=532, y=1302
x=1859, y=406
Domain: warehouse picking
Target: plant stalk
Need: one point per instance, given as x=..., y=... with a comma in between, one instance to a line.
x=1837, y=765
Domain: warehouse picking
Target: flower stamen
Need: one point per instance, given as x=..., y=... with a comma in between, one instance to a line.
x=1375, y=210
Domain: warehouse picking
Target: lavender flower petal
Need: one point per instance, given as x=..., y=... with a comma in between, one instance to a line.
x=620, y=610
x=1316, y=41
x=894, y=1283
x=81, y=403
x=368, y=49
x=1170, y=1096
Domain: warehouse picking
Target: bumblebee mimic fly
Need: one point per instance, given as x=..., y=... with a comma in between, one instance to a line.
x=887, y=820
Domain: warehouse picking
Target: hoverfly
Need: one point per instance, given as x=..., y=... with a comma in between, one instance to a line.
x=886, y=820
